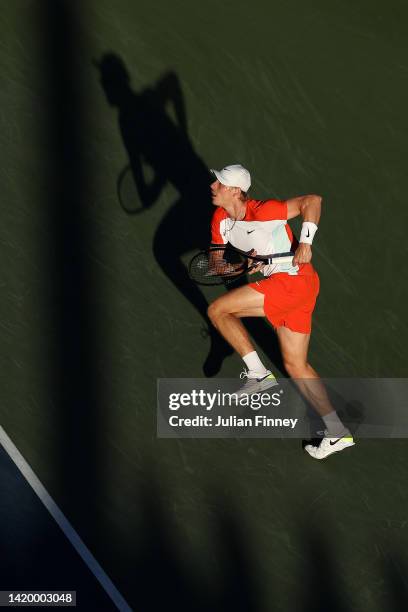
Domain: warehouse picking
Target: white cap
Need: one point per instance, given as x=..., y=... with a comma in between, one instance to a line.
x=234, y=176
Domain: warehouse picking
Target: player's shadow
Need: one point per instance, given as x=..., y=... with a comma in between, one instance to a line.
x=153, y=126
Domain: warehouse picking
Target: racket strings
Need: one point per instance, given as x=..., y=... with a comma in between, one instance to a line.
x=217, y=266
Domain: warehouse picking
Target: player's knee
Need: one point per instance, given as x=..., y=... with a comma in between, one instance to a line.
x=215, y=310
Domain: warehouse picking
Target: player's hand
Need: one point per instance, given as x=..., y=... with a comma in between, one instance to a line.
x=303, y=254
x=258, y=267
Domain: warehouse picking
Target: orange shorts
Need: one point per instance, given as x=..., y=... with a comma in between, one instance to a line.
x=290, y=300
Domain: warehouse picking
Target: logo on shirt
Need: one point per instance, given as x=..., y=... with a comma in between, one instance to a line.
x=250, y=231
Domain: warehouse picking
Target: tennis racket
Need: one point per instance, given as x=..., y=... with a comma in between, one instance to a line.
x=220, y=265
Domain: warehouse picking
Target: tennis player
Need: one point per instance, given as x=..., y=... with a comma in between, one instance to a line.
x=286, y=295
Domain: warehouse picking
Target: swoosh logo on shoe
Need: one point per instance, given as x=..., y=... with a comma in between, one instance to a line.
x=333, y=443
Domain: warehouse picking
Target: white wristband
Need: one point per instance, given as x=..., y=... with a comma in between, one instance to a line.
x=308, y=231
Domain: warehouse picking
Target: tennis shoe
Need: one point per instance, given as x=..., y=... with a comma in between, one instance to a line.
x=256, y=385
x=328, y=445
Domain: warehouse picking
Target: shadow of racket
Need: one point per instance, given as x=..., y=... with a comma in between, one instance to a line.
x=127, y=192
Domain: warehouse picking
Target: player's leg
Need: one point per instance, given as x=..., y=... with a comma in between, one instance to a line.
x=294, y=346
x=226, y=313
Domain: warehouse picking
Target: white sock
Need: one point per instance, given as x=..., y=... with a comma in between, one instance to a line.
x=256, y=368
x=334, y=426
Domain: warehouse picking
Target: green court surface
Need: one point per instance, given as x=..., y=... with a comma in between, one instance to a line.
x=312, y=98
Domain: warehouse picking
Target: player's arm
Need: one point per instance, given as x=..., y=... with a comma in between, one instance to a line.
x=218, y=240
x=168, y=89
x=309, y=207
x=148, y=193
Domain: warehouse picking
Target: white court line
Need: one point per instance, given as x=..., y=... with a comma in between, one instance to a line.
x=63, y=522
